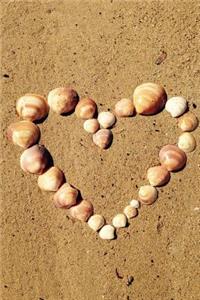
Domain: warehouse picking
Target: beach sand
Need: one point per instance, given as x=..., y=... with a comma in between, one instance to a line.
x=104, y=49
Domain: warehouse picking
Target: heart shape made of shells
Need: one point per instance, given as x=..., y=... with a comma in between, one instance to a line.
x=148, y=99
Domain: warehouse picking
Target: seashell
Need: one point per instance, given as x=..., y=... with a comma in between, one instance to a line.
x=96, y=222
x=188, y=122
x=63, y=100
x=86, y=108
x=147, y=194
x=107, y=232
x=158, y=175
x=130, y=211
x=149, y=98
x=106, y=119
x=23, y=133
x=120, y=220
x=172, y=157
x=124, y=108
x=135, y=203
x=51, y=180
x=32, y=107
x=35, y=159
x=82, y=211
x=186, y=142
x=66, y=196
x=176, y=106
x=103, y=138
x=91, y=125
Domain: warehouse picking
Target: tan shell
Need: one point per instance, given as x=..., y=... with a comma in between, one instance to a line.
x=82, y=211
x=106, y=119
x=95, y=222
x=188, y=122
x=158, y=175
x=172, y=157
x=149, y=98
x=86, y=108
x=107, y=232
x=23, y=133
x=63, y=100
x=187, y=142
x=130, y=211
x=91, y=125
x=103, y=138
x=124, y=108
x=35, y=159
x=51, y=180
x=147, y=194
x=32, y=107
x=66, y=196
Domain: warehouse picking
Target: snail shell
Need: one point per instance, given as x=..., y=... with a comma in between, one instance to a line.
x=35, y=159
x=86, y=108
x=158, y=175
x=95, y=222
x=187, y=142
x=32, y=107
x=119, y=221
x=124, y=108
x=149, y=98
x=172, y=157
x=91, y=125
x=147, y=194
x=23, y=133
x=63, y=100
x=66, y=196
x=107, y=232
x=103, y=138
x=106, y=119
x=82, y=211
x=188, y=122
x=51, y=180
x=130, y=211
x=176, y=106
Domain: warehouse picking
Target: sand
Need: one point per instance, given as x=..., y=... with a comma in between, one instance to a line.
x=104, y=49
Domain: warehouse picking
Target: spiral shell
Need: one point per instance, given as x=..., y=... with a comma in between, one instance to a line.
x=176, y=106
x=107, y=232
x=106, y=119
x=149, y=98
x=124, y=108
x=63, y=100
x=82, y=211
x=119, y=221
x=95, y=222
x=32, y=107
x=186, y=142
x=103, y=138
x=158, y=175
x=172, y=157
x=66, y=196
x=35, y=159
x=130, y=211
x=91, y=125
x=188, y=122
x=51, y=180
x=23, y=133
x=86, y=108
x=147, y=194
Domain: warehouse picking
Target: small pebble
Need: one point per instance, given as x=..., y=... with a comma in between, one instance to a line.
x=107, y=232
x=119, y=221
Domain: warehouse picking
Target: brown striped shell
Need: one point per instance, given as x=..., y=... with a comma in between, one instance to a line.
x=173, y=158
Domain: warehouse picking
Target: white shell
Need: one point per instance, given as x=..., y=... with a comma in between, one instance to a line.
x=135, y=203
x=107, y=232
x=95, y=222
x=120, y=220
x=106, y=119
x=91, y=125
x=176, y=106
x=130, y=211
x=186, y=142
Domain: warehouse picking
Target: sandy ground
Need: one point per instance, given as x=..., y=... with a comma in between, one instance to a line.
x=104, y=49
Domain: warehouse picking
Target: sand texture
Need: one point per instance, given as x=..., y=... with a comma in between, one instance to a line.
x=104, y=49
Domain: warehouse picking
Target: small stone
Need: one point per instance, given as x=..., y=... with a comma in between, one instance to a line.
x=119, y=221
x=107, y=232
x=95, y=222
x=135, y=203
x=130, y=211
